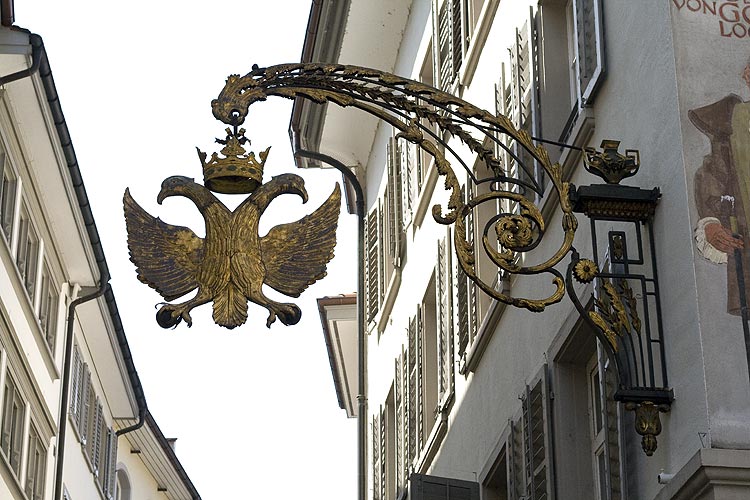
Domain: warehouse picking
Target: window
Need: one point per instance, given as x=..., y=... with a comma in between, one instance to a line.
x=589, y=47
x=384, y=228
x=424, y=487
x=375, y=272
x=455, y=24
x=529, y=451
x=36, y=464
x=495, y=485
x=27, y=254
x=48, y=306
x=7, y=196
x=122, y=488
x=517, y=96
x=98, y=441
x=589, y=448
x=11, y=436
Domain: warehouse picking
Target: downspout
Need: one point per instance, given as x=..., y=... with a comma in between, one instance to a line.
x=361, y=339
x=62, y=426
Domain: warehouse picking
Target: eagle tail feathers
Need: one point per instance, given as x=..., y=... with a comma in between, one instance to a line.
x=230, y=307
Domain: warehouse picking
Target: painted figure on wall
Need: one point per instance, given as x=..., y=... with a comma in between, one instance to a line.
x=722, y=187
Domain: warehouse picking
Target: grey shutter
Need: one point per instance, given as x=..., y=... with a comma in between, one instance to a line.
x=382, y=479
x=445, y=320
x=88, y=408
x=381, y=255
x=457, y=38
x=537, y=440
x=416, y=397
x=375, y=457
x=408, y=182
x=112, y=463
x=516, y=462
x=7, y=416
x=372, y=264
x=444, y=49
x=424, y=487
x=17, y=439
x=75, y=383
x=395, y=202
x=420, y=377
x=398, y=400
x=612, y=428
x=590, y=47
x=524, y=96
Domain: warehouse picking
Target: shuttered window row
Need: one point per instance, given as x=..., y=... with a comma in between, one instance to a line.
x=384, y=228
x=453, y=32
x=99, y=442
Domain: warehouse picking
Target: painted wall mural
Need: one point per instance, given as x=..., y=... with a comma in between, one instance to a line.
x=722, y=187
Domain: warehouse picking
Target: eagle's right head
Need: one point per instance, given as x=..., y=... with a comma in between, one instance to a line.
x=177, y=185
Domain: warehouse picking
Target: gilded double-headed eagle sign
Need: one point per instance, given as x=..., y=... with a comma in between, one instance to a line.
x=232, y=263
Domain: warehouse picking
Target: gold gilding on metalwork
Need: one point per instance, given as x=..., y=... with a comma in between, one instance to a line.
x=386, y=96
x=232, y=263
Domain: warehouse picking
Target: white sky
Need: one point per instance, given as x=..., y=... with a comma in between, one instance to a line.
x=254, y=410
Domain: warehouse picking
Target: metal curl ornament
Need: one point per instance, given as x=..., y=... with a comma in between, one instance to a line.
x=409, y=106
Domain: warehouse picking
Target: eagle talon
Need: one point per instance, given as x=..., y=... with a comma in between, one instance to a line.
x=169, y=316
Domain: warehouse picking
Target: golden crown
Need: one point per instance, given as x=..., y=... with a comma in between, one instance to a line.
x=238, y=172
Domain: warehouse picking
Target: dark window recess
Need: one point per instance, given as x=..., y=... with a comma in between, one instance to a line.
x=424, y=487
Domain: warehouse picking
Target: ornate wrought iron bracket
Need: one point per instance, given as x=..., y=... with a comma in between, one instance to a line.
x=428, y=118
x=625, y=293
x=624, y=310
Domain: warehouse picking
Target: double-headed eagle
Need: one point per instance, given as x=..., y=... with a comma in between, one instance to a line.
x=233, y=262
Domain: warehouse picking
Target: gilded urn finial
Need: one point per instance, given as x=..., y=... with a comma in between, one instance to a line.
x=609, y=164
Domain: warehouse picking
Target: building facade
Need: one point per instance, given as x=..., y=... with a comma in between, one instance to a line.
x=73, y=417
x=468, y=397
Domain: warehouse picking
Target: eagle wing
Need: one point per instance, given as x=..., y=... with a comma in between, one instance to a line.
x=167, y=257
x=295, y=254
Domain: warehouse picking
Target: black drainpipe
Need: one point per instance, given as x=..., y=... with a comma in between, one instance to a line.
x=361, y=339
x=40, y=63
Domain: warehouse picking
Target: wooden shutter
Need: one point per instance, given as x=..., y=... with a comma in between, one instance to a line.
x=395, y=203
x=443, y=301
x=516, y=462
x=400, y=399
x=444, y=49
x=590, y=47
x=382, y=475
x=408, y=181
x=7, y=417
x=372, y=265
x=17, y=439
x=75, y=390
x=376, y=457
x=524, y=105
x=424, y=487
x=88, y=407
x=415, y=391
x=112, y=463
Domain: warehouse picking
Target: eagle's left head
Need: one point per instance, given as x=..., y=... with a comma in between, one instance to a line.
x=177, y=185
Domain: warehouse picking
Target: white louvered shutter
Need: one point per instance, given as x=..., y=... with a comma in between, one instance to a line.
x=372, y=278
x=590, y=47
x=445, y=322
x=376, y=457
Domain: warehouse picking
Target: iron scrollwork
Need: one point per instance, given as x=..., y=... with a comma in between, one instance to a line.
x=413, y=108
